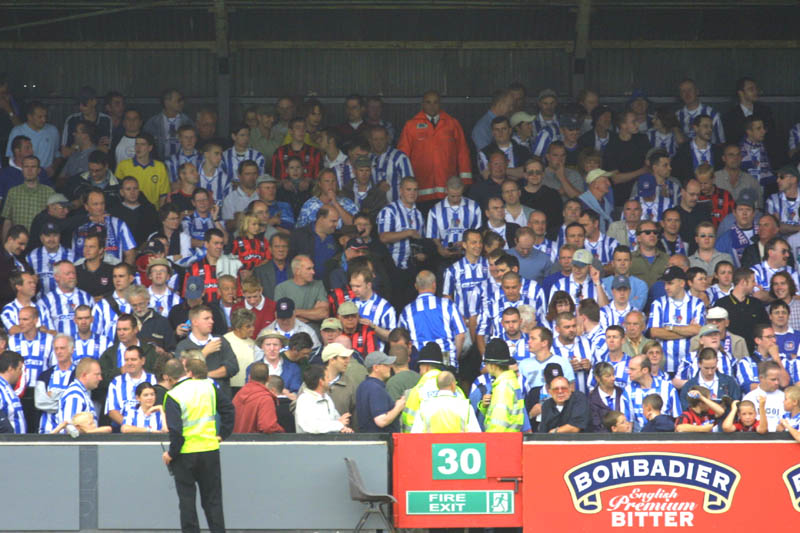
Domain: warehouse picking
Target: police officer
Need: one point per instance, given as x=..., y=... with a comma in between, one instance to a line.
x=505, y=410
x=446, y=412
x=430, y=363
x=191, y=406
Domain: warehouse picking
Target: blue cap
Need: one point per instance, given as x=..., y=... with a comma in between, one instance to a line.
x=637, y=94
x=620, y=282
x=646, y=185
x=195, y=286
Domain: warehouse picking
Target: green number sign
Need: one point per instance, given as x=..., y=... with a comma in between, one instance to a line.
x=459, y=461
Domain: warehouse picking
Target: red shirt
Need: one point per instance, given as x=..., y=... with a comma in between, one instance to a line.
x=748, y=429
x=256, y=410
x=721, y=203
x=251, y=252
x=264, y=316
x=310, y=156
x=690, y=417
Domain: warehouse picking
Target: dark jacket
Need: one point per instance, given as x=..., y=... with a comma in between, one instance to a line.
x=301, y=241
x=156, y=329
x=751, y=256
x=214, y=360
x=142, y=221
x=373, y=202
x=600, y=409
x=683, y=167
x=511, y=232
x=256, y=410
x=660, y=424
x=733, y=124
x=521, y=154
x=727, y=387
x=587, y=139
x=180, y=314
x=110, y=370
x=574, y=413
x=173, y=415
x=265, y=274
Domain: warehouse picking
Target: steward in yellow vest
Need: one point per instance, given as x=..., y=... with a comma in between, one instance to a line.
x=446, y=412
x=430, y=363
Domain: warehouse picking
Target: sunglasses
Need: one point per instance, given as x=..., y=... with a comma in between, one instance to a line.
x=648, y=232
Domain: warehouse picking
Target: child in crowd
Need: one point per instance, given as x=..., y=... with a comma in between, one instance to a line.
x=746, y=420
x=790, y=421
x=615, y=422
x=656, y=422
x=702, y=413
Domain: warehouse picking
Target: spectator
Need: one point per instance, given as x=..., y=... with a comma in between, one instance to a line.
x=783, y=288
x=625, y=156
x=733, y=178
x=533, y=264
x=375, y=312
x=702, y=413
x=647, y=262
x=537, y=222
x=221, y=366
x=43, y=259
x=567, y=181
x=88, y=343
x=516, y=154
x=287, y=323
x=403, y=379
x=255, y=301
x=62, y=301
x=742, y=417
x=310, y=158
x=354, y=126
x=437, y=148
x=233, y=157
x=706, y=256
x=43, y=136
x=315, y=411
x=540, y=197
x=768, y=227
x=239, y=344
x=665, y=132
x=743, y=233
x=693, y=108
x=769, y=380
x=547, y=118
x=135, y=211
x=85, y=142
x=97, y=175
x=791, y=418
x=501, y=106
x=326, y=193
x=279, y=214
x=710, y=377
x=362, y=191
x=449, y=219
x=239, y=199
x=12, y=368
x=124, y=135
x=112, y=360
x=700, y=149
x=213, y=174
x=26, y=200
x=118, y=243
x=122, y=397
x=11, y=175
x=95, y=275
x=642, y=384
x=77, y=397
x=634, y=324
x=656, y=421
x=599, y=132
x=671, y=240
x=147, y=417
x=785, y=203
x=605, y=398
x=261, y=137
x=154, y=329
x=496, y=222
x=584, y=280
x=566, y=411
x=755, y=157
x=52, y=383
x=307, y=293
x=256, y=405
x=163, y=127
x=745, y=105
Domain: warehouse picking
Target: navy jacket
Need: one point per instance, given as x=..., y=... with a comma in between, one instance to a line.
x=727, y=387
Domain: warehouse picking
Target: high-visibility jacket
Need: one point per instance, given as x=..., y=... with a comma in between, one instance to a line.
x=506, y=410
x=446, y=412
x=436, y=153
x=425, y=387
x=197, y=399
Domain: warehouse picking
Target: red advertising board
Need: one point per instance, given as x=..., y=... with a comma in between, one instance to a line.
x=457, y=480
x=653, y=486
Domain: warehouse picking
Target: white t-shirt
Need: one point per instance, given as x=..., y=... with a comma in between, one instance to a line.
x=774, y=405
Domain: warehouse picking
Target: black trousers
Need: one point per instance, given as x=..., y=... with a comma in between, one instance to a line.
x=201, y=468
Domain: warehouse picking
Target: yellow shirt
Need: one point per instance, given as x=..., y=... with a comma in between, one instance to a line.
x=153, y=179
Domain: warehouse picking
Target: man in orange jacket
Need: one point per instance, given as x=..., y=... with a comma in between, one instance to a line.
x=435, y=143
x=256, y=404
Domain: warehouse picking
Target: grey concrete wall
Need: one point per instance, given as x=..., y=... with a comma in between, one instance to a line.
x=125, y=486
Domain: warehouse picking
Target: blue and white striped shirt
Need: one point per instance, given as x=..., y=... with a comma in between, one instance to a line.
x=685, y=120
x=621, y=376
x=518, y=348
x=308, y=213
x=755, y=161
x=137, y=418
x=786, y=210
x=42, y=261
x=540, y=124
x=105, y=318
x=174, y=162
x=379, y=311
x=119, y=238
x=163, y=303
x=61, y=307
x=447, y=223
x=463, y=281
x=580, y=350
x=92, y=347
x=231, y=160
x=13, y=407
x=345, y=173
x=542, y=142
x=196, y=226
x=654, y=211
x=716, y=293
x=794, y=137
x=10, y=314
x=577, y=291
x=122, y=392
x=549, y=248
x=530, y=290
x=37, y=353
x=596, y=339
x=747, y=369
x=59, y=380
x=790, y=421
x=634, y=395
x=666, y=141
x=397, y=217
x=611, y=316
x=491, y=316
x=531, y=371
x=76, y=399
x=689, y=366
x=763, y=274
x=432, y=319
x=391, y=166
x=665, y=312
x=220, y=184
x=603, y=248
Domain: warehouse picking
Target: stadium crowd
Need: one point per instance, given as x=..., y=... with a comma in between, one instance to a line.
x=570, y=269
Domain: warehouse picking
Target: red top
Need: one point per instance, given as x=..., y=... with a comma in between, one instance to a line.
x=256, y=410
x=264, y=316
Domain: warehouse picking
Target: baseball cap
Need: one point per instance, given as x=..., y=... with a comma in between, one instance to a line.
x=85, y=94
x=284, y=308
x=378, y=358
x=331, y=323
x=362, y=162
x=551, y=372
x=637, y=94
x=194, y=288
x=596, y=174
x=49, y=228
x=154, y=246
x=620, y=282
x=547, y=93
x=717, y=313
x=431, y=354
x=646, y=185
x=519, y=117
x=347, y=308
x=357, y=243
x=569, y=122
x=747, y=197
x=335, y=349
x=497, y=352
x=672, y=273
x=57, y=198
x=265, y=178
x=582, y=258
x=708, y=329
x=158, y=261
x=789, y=169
